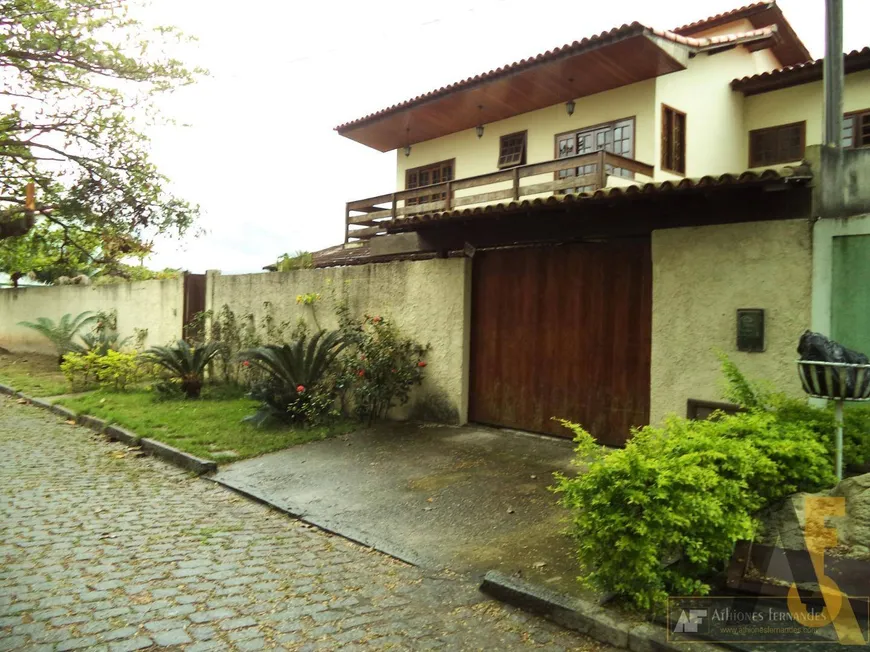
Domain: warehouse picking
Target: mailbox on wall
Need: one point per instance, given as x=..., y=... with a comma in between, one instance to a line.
x=750, y=330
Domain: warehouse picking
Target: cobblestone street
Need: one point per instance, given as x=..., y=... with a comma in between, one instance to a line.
x=105, y=549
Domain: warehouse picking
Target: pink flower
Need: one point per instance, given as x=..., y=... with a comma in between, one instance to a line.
x=362, y=373
x=376, y=320
x=246, y=364
x=422, y=363
x=300, y=389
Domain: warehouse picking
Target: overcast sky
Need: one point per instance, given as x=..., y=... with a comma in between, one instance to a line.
x=260, y=154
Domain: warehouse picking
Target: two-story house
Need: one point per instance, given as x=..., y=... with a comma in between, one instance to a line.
x=624, y=200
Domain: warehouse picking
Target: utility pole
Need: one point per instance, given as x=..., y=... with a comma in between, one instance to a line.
x=833, y=73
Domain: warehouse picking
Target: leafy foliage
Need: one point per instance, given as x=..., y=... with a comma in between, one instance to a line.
x=661, y=516
x=760, y=397
x=112, y=370
x=298, y=260
x=82, y=76
x=63, y=332
x=186, y=364
x=297, y=385
x=381, y=365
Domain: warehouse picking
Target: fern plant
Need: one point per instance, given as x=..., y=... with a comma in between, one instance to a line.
x=185, y=363
x=104, y=341
x=296, y=386
x=63, y=332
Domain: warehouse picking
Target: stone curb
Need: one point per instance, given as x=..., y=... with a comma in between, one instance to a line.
x=177, y=457
x=585, y=616
x=156, y=448
x=5, y=389
x=117, y=433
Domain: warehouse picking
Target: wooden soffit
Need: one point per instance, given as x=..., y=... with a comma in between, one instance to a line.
x=617, y=58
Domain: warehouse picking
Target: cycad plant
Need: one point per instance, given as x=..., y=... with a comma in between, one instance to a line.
x=104, y=341
x=62, y=333
x=296, y=387
x=185, y=363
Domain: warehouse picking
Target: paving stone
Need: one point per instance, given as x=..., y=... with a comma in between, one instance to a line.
x=172, y=637
x=127, y=553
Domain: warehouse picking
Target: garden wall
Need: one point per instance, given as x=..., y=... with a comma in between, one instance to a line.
x=428, y=300
x=701, y=276
x=155, y=305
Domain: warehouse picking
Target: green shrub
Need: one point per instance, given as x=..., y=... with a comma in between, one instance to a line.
x=114, y=370
x=759, y=396
x=298, y=384
x=380, y=366
x=661, y=516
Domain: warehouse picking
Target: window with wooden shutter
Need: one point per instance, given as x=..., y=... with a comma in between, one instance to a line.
x=512, y=150
x=673, y=140
x=856, y=129
x=428, y=175
x=774, y=145
x=616, y=137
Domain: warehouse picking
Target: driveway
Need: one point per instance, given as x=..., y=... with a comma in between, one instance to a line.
x=468, y=499
x=102, y=549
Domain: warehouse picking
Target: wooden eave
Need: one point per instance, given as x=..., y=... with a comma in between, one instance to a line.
x=789, y=50
x=623, y=56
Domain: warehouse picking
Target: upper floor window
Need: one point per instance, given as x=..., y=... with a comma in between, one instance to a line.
x=856, y=129
x=427, y=175
x=512, y=150
x=673, y=140
x=780, y=144
x=616, y=137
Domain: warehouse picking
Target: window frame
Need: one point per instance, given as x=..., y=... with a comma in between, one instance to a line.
x=856, y=115
x=803, y=127
x=525, y=143
x=666, y=150
x=439, y=165
x=594, y=127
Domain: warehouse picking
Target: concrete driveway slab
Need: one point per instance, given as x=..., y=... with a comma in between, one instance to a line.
x=468, y=499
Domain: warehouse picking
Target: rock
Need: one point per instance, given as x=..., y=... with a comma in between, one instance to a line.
x=784, y=523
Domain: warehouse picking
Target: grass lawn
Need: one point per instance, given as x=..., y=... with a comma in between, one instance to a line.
x=33, y=373
x=206, y=427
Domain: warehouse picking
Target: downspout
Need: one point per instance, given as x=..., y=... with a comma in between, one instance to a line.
x=833, y=73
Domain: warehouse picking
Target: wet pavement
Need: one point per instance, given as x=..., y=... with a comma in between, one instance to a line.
x=103, y=549
x=469, y=499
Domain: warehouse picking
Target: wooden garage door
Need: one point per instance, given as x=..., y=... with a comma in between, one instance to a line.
x=562, y=331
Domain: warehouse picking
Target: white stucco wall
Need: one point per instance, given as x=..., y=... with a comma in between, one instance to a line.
x=155, y=305
x=428, y=300
x=701, y=276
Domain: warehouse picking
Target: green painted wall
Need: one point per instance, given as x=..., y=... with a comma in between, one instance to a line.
x=850, y=292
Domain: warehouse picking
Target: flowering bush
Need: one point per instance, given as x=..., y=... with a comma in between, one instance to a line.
x=380, y=365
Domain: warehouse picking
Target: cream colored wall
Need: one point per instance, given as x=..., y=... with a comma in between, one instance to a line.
x=804, y=102
x=480, y=155
x=428, y=300
x=155, y=305
x=701, y=276
x=716, y=140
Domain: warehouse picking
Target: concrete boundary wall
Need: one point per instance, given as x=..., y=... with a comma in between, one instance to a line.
x=155, y=305
x=428, y=300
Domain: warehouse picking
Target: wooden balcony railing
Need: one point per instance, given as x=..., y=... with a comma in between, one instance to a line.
x=366, y=218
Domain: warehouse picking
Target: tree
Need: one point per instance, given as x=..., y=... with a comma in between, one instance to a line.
x=79, y=82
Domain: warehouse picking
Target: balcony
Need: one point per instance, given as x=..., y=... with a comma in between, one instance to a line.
x=368, y=218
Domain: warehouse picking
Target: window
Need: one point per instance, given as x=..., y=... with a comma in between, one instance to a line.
x=780, y=144
x=673, y=140
x=428, y=175
x=856, y=129
x=512, y=150
x=616, y=137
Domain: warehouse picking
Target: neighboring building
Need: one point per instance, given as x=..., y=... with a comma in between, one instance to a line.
x=621, y=198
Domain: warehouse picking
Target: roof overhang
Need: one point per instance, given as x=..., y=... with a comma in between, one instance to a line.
x=790, y=50
x=622, y=56
x=812, y=71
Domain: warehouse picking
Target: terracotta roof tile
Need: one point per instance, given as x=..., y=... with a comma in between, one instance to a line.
x=783, y=174
x=712, y=21
x=801, y=73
